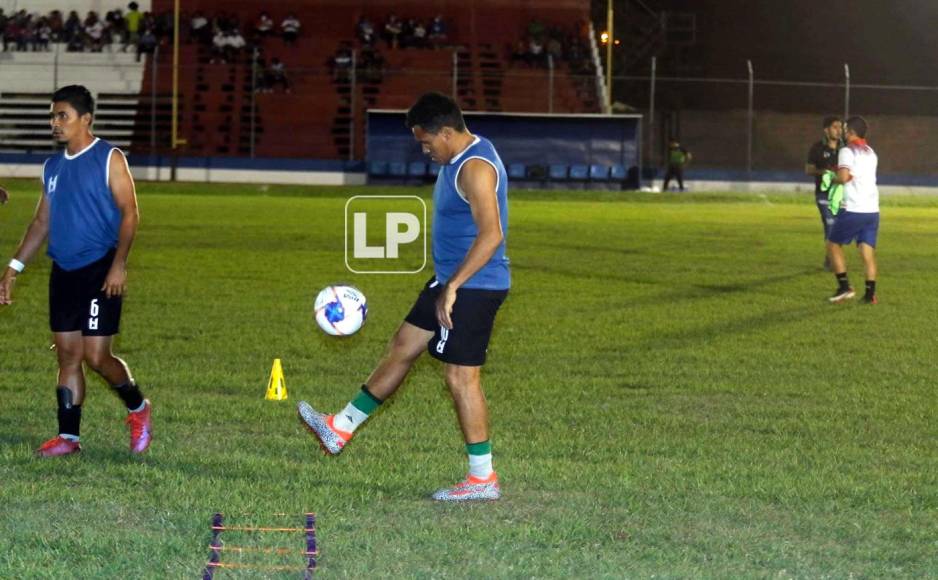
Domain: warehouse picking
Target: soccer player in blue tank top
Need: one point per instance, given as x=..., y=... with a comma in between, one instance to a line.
x=88, y=211
x=453, y=316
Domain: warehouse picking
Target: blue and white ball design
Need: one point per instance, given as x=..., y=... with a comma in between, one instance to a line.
x=340, y=310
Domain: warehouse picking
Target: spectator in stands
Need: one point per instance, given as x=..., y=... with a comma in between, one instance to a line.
x=55, y=24
x=219, y=43
x=132, y=20
x=27, y=38
x=94, y=31
x=147, y=42
x=236, y=44
x=365, y=31
x=341, y=63
x=414, y=34
x=72, y=29
x=264, y=26
x=11, y=35
x=392, y=31
x=536, y=54
x=371, y=67
x=290, y=29
x=115, y=27
x=420, y=34
x=438, y=34
x=519, y=54
x=227, y=45
x=199, y=29
x=6, y=31
x=43, y=35
x=277, y=75
x=148, y=21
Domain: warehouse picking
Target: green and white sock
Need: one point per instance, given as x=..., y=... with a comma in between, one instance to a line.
x=357, y=411
x=480, y=459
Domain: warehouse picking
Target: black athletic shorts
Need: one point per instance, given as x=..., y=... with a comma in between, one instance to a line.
x=473, y=317
x=76, y=301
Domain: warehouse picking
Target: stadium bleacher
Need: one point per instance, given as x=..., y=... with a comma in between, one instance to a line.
x=28, y=78
x=323, y=118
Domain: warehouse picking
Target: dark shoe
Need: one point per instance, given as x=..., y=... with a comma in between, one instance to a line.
x=842, y=296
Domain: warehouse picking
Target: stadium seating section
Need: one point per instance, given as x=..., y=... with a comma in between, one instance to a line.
x=323, y=116
x=27, y=79
x=317, y=118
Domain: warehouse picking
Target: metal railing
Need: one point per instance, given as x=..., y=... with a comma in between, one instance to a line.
x=747, y=124
x=752, y=125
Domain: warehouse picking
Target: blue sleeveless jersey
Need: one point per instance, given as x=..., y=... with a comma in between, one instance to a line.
x=84, y=221
x=454, y=230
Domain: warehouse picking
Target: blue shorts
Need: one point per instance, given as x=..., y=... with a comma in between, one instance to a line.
x=861, y=227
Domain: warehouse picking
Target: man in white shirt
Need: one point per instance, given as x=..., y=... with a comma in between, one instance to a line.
x=290, y=29
x=859, y=217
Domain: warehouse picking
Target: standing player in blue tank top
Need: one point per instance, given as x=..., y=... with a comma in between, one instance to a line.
x=454, y=314
x=88, y=211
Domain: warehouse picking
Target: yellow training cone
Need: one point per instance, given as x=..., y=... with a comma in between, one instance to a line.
x=276, y=387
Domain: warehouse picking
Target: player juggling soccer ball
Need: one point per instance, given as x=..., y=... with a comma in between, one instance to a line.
x=856, y=212
x=88, y=211
x=453, y=316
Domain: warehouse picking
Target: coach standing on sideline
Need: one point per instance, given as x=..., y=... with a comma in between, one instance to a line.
x=859, y=217
x=88, y=210
x=823, y=157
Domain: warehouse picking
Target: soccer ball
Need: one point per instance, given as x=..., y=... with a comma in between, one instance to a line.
x=340, y=310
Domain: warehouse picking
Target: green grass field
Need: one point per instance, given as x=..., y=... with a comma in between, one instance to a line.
x=671, y=396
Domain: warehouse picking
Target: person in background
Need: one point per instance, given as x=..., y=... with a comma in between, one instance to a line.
x=290, y=29
x=277, y=75
x=678, y=158
x=858, y=220
x=88, y=213
x=822, y=157
x=438, y=34
x=454, y=314
x=132, y=21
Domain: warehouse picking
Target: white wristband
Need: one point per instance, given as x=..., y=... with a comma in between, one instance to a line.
x=17, y=265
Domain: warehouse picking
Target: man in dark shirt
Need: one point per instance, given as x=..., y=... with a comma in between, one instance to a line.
x=823, y=157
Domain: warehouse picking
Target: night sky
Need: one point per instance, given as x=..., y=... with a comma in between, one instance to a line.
x=884, y=41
